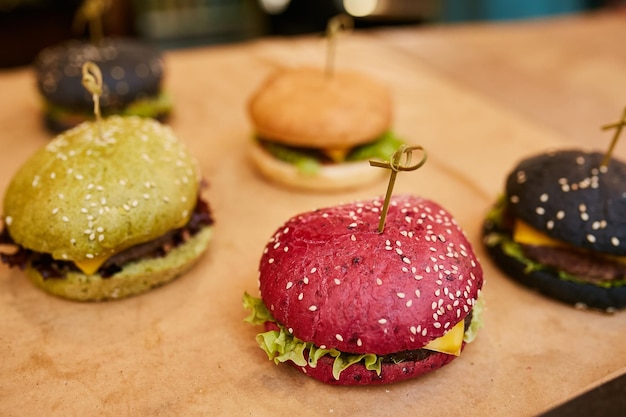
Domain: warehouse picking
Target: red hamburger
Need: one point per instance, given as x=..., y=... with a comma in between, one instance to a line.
x=348, y=305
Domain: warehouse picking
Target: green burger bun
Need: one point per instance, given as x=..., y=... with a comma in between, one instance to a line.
x=103, y=190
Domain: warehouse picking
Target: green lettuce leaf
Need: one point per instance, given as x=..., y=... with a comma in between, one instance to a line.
x=309, y=161
x=381, y=148
x=281, y=346
x=477, y=320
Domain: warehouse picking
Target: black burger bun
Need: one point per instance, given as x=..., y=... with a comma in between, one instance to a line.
x=560, y=228
x=132, y=73
x=568, y=196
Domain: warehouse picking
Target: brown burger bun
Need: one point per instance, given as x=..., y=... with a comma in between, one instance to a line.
x=332, y=280
x=305, y=107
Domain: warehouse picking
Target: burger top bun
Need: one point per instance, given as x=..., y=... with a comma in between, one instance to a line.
x=566, y=195
x=131, y=70
x=331, y=279
x=305, y=107
x=83, y=196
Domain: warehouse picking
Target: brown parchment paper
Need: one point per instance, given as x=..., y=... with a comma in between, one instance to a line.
x=183, y=349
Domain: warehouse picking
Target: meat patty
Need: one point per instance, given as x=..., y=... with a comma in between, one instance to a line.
x=585, y=265
x=50, y=268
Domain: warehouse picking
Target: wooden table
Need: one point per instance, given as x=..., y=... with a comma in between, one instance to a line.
x=478, y=97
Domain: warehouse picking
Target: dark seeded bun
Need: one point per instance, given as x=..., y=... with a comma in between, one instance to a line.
x=330, y=278
x=565, y=195
x=98, y=197
x=132, y=73
x=548, y=283
x=303, y=107
x=130, y=70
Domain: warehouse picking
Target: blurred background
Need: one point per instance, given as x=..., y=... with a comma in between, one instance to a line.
x=27, y=26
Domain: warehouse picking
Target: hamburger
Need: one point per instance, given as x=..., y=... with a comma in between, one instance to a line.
x=132, y=74
x=348, y=305
x=560, y=228
x=106, y=211
x=317, y=132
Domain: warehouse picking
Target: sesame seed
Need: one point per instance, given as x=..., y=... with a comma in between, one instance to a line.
x=359, y=342
x=543, y=197
x=614, y=241
x=312, y=308
x=300, y=296
x=540, y=211
x=313, y=270
x=560, y=214
x=337, y=281
x=270, y=261
x=289, y=285
x=437, y=325
x=379, y=281
x=305, y=280
x=65, y=219
x=55, y=210
x=406, y=260
x=409, y=303
x=400, y=295
x=339, y=337
x=514, y=199
x=8, y=220
x=353, y=238
x=591, y=238
x=382, y=321
x=418, y=293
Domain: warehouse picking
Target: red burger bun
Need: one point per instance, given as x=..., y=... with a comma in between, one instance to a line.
x=330, y=278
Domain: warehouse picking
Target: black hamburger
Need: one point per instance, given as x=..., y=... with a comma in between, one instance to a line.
x=560, y=228
x=348, y=305
x=132, y=74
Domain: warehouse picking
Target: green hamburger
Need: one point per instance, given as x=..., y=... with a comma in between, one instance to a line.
x=106, y=210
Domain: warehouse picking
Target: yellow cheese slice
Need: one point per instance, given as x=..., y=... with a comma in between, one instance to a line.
x=450, y=342
x=526, y=234
x=90, y=266
x=336, y=154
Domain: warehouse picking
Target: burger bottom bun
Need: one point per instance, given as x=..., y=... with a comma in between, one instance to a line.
x=357, y=374
x=548, y=283
x=335, y=177
x=135, y=278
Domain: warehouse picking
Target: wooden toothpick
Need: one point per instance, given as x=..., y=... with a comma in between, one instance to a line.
x=92, y=81
x=90, y=12
x=336, y=24
x=618, y=126
x=397, y=164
